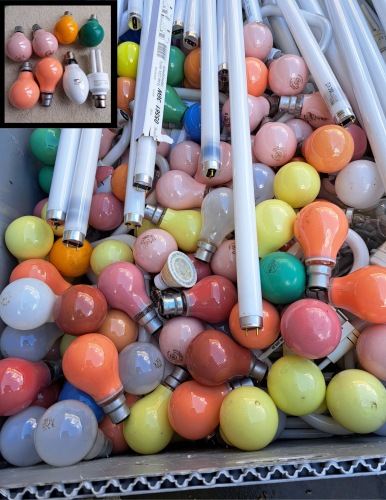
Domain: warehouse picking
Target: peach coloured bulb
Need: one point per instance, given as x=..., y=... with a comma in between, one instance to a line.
x=176, y=336
x=288, y=75
x=257, y=76
x=119, y=328
x=226, y=173
x=360, y=141
x=106, y=212
x=106, y=141
x=126, y=92
x=258, y=107
x=192, y=68
x=262, y=338
x=43, y=271
x=25, y=92
x=223, y=261
x=177, y=190
x=38, y=208
x=184, y=157
x=203, y=269
x=194, y=409
x=302, y=129
x=70, y=262
x=315, y=112
x=48, y=72
x=102, y=172
x=254, y=158
x=371, y=351
x=275, y=144
x=18, y=48
x=258, y=40
x=163, y=148
x=320, y=229
x=44, y=43
x=152, y=249
x=329, y=148
x=119, y=181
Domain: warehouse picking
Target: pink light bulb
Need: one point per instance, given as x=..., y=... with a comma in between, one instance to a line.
x=176, y=336
x=258, y=107
x=226, y=173
x=203, y=268
x=44, y=43
x=223, y=262
x=371, y=350
x=108, y=136
x=38, y=208
x=102, y=172
x=315, y=112
x=184, y=157
x=288, y=75
x=258, y=40
x=360, y=141
x=163, y=148
x=302, y=129
x=18, y=47
x=275, y=144
x=177, y=190
x=152, y=249
x=106, y=212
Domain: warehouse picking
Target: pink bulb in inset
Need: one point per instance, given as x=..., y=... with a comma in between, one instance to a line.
x=258, y=40
x=38, y=208
x=254, y=159
x=106, y=212
x=106, y=141
x=179, y=191
x=315, y=112
x=18, y=48
x=302, y=129
x=184, y=157
x=102, y=172
x=258, y=107
x=163, y=148
x=203, y=269
x=226, y=173
x=275, y=144
x=176, y=336
x=371, y=350
x=288, y=75
x=311, y=328
x=152, y=249
x=360, y=141
x=223, y=262
x=44, y=43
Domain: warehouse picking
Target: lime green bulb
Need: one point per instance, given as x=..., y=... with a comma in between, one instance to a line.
x=91, y=34
x=174, y=108
x=184, y=226
x=176, y=67
x=110, y=251
x=146, y=224
x=128, y=53
x=357, y=401
x=297, y=183
x=248, y=418
x=275, y=225
x=29, y=237
x=45, y=178
x=65, y=342
x=44, y=144
x=296, y=385
x=59, y=230
x=147, y=430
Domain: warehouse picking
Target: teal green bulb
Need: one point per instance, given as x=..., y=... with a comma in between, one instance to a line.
x=174, y=108
x=44, y=144
x=283, y=278
x=176, y=67
x=91, y=34
x=45, y=178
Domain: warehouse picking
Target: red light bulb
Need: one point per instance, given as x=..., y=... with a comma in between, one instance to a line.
x=48, y=395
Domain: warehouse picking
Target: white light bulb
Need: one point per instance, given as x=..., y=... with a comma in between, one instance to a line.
x=99, y=81
x=263, y=177
x=27, y=303
x=75, y=82
x=141, y=367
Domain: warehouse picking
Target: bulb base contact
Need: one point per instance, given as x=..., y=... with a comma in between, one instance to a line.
x=178, y=29
x=134, y=21
x=318, y=277
x=258, y=369
x=133, y=220
x=204, y=251
x=210, y=169
x=191, y=39
x=46, y=98
x=143, y=182
x=117, y=410
x=149, y=320
x=73, y=239
x=154, y=214
x=176, y=378
x=169, y=303
x=251, y=322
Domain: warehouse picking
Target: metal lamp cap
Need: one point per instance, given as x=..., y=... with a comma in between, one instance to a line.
x=67, y=13
x=149, y=320
x=318, y=277
x=74, y=239
x=69, y=58
x=210, y=169
x=35, y=27
x=258, y=369
x=94, y=16
x=46, y=98
x=176, y=378
x=18, y=29
x=117, y=410
x=26, y=66
x=169, y=303
x=204, y=251
x=133, y=220
x=99, y=101
x=56, y=217
x=154, y=214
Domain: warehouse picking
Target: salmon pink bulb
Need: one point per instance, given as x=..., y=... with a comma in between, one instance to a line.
x=106, y=212
x=258, y=107
x=177, y=190
x=43, y=271
x=184, y=157
x=275, y=144
x=288, y=75
x=176, y=336
x=152, y=249
x=371, y=351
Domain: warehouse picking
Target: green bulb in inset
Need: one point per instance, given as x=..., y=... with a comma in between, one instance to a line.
x=176, y=67
x=45, y=178
x=44, y=144
x=174, y=108
x=91, y=34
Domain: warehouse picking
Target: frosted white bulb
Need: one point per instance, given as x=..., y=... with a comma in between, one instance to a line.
x=68, y=432
x=359, y=184
x=217, y=222
x=75, y=82
x=27, y=303
x=141, y=367
x=263, y=177
x=17, y=437
x=32, y=345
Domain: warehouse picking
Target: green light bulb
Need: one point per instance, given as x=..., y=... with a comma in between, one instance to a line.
x=44, y=144
x=174, y=108
x=91, y=34
x=45, y=178
x=176, y=67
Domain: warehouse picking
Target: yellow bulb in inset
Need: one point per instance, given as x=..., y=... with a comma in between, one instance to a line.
x=357, y=401
x=65, y=342
x=57, y=232
x=110, y=251
x=296, y=385
x=249, y=418
x=29, y=238
x=128, y=53
x=147, y=430
x=184, y=226
x=297, y=183
x=66, y=29
x=146, y=224
x=275, y=225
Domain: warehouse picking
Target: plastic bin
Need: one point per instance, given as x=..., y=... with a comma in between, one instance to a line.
x=179, y=466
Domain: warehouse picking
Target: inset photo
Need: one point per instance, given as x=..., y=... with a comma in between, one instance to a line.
x=57, y=64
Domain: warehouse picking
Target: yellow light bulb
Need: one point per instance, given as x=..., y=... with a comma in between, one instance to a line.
x=297, y=183
x=275, y=225
x=57, y=232
x=223, y=436
x=29, y=237
x=128, y=53
x=184, y=226
x=65, y=342
x=110, y=251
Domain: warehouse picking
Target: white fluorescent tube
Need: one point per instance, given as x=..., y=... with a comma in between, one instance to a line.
x=222, y=61
x=191, y=24
x=281, y=33
x=179, y=19
x=252, y=11
x=135, y=13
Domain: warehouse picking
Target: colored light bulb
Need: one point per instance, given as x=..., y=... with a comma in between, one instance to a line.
x=17, y=437
x=177, y=190
x=176, y=67
x=203, y=269
x=71, y=392
x=258, y=107
x=44, y=144
x=106, y=212
x=103, y=171
x=80, y=309
x=48, y=72
x=41, y=270
x=48, y=395
x=357, y=401
x=370, y=350
x=27, y=303
x=91, y=33
x=258, y=40
x=22, y=380
x=119, y=181
x=25, y=92
x=174, y=108
x=18, y=48
x=29, y=237
x=66, y=29
x=184, y=157
x=226, y=172
x=128, y=53
x=70, y=262
x=67, y=433
x=257, y=76
x=126, y=93
x=296, y=385
x=302, y=129
x=75, y=82
x=108, y=252
x=314, y=110
x=297, y=183
x=265, y=336
x=176, y=336
x=45, y=178
x=90, y=363
x=192, y=68
x=38, y=208
x=119, y=328
x=152, y=248
x=65, y=342
x=123, y=286
x=360, y=141
x=44, y=43
x=213, y=358
x=249, y=418
x=223, y=262
x=275, y=144
x=288, y=75
x=263, y=179
x=275, y=225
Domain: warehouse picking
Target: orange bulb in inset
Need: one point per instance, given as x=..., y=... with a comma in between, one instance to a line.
x=48, y=72
x=70, y=262
x=90, y=363
x=119, y=328
x=257, y=76
x=329, y=148
x=126, y=92
x=66, y=29
x=194, y=409
x=192, y=68
x=25, y=92
x=43, y=271
x=119, y=180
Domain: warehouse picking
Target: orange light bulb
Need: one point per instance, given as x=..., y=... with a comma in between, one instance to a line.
x=70, y=262
x=126, y=92
x=119, y=180
x=192, y=68
x=25, y=92
x=66, y=29
x=119, y=328
x=48, y=72
x=43, y=271
x=90, y=363
x=257, y=76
